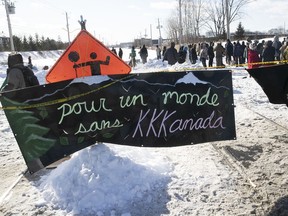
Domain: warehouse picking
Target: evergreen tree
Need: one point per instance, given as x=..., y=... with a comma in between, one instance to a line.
x=17, y=43
x=37, y=42
x=239, y=34
x=25, y=44
x=32, y=44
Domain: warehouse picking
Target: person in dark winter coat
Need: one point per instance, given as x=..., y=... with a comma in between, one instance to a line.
x=164, y=50
x=171, y=55
x=277, y=44
x=15, y=74
x=144, y=54
x=158, y=52
x=242, y=58
x=211, y=54
x=268, y=52
x=132, y=57
x=253, y=56
x=182, y=55
x=193, y=54
x=228, y=51
x=120, y=53
x=30, y=62
x=114, y=50
x=219, y=51
x=237, y=53
x=204, y=54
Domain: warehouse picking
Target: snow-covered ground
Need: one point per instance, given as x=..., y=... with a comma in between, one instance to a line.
x=203, y=179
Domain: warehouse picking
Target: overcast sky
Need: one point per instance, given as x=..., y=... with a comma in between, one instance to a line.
x=114, y=21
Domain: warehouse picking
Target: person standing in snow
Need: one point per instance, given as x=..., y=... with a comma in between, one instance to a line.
x=114, y=50
x=245, y=54
x=30, y=62
x=164, y=50
x=144, y=54
x=282, y=49
x=16, y=79
x=182, y=55
x=211, y=54
x=237, y=53
x=158, y=52
x=253, y=56
x=276, y=44
x=132, y=56
x=120, y=52
x=193, y=54
x=204, y=54
x=171, y=54
x=285, y=54
x=268, y=52
x=228, y=51
x=219, y=51
x=242, y=57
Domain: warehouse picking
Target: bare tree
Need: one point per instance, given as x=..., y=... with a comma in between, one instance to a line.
x=234, y=7
x=196, y=15
x=218, y=14
x=216, y=18
x=193, y=18
x=172, y=28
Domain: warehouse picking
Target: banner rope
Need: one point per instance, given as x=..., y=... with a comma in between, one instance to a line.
x=57, y=101
x=62, y=100
x=234, y=66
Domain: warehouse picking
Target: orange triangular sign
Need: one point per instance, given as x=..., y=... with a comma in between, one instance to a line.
x=86, y=56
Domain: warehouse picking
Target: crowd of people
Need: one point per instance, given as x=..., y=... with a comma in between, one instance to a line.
x=235, y=53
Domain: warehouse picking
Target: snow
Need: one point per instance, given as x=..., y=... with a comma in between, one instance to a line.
x=108, y=179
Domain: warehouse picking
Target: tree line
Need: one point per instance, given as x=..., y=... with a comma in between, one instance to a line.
x=192, y=16
x=35, y=43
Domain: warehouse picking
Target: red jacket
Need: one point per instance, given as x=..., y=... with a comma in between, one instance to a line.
x=253, y=57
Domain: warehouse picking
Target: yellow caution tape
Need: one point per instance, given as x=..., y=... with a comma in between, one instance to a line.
x=62, y=100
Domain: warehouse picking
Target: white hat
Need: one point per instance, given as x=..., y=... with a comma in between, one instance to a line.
x=252, y=46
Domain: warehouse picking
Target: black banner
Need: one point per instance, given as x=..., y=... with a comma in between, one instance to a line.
x=274, y=81
x=160, y=109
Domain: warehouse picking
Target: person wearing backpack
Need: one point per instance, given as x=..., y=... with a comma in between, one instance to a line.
x=18, y=75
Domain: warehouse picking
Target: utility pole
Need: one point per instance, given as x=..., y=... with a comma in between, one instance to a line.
x=151, y=31
x=160, y=38
x=228, y=19
x=180, y=22
x=7, y=7
x=68, y=31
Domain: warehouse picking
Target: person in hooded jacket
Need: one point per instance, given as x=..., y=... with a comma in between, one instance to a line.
x=15, y=78
x=277, y=44
x=132, y=57
x=204, y=54
x=228, y=51
x=211, y=54
x=182, y=55
x=18, y=75
x=268, y=52
x=237, y=53
x=171, y=54
x=219, y=51
x=193, y=54
x=253, y=56
x=143, y=54
x=120, y=52
x=164, y=50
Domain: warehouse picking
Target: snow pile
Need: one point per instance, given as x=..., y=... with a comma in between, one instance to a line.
x=100, y=178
